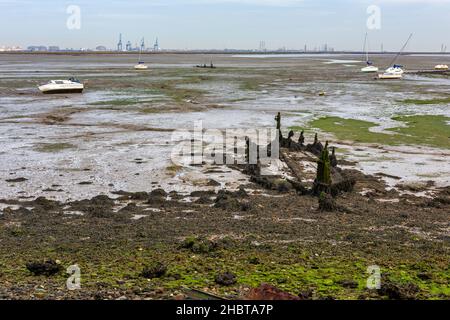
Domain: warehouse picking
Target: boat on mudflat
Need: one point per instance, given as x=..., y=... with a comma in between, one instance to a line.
x=62, y=86
x=390, y=76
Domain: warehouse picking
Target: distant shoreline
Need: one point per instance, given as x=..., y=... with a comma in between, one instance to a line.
x=81, y=53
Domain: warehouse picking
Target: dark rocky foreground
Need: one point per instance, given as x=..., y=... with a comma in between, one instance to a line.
x=274, y=238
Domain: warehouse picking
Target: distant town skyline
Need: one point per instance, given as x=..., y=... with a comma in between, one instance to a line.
x=227, y=24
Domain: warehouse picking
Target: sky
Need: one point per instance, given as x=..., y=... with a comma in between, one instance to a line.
x=221, y=24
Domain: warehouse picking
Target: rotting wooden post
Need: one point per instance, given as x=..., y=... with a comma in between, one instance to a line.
x=333, y=158
x=213, y=155
x=316, y=139
x=235, y=149
x=301, y=139
x=278, y=120
x=290, y=136
x=323, y=179
x=247, y=150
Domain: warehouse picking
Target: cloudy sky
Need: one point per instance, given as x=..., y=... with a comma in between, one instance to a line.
x=199, y=24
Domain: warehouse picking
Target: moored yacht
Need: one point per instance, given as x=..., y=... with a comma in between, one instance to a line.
x=395, y=69
x=370, y=67
x=141, y=66
x=62, y=86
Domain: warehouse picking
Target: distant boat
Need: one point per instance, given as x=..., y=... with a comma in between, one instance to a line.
x=370, y=67
x=141, y=65
x=441, y=67
x=62, y=86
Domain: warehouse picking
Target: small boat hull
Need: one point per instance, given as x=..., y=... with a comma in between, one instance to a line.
x=62, y=91
x=390, y=76
x=441, y=67
x=141, y=67
x=369, y=69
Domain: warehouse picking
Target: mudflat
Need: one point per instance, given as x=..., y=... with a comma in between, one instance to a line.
x=88, y=179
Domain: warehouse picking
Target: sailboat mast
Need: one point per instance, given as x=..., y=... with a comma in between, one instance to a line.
x=365, y=48
x=401, y=51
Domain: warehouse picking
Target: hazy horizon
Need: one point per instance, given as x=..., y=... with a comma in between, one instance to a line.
x=232, y=24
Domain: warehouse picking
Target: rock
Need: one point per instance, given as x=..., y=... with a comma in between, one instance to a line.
x=226, y=201
x=439, y=202
x=327, y=203
x=425, y=276
x=130, y=208
x=226, y=279
x=139, y=196
x=246, y=206
x=204, y=200
x=98, y=207
x=47, y=268
x=16, y=180
x=213, y=183
x=266, y=292
x=254, y=260
x=85, y=183
x=346, y=185
x=398, y=292
x=349, y=284
x=282, y=185
x=102, y=200
x=199, y=194
x=45, y=204
x=199, y=245
x=158, y=193
x=155, y=270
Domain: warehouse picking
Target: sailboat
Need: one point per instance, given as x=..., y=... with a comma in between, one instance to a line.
x=396, y=71
x=370, y=67
x=141, y=64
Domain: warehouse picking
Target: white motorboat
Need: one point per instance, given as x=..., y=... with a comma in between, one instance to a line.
x=370, y=67
x=62, y=86
x=441, y=67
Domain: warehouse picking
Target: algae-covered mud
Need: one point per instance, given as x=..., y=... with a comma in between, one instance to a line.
x=88, y=179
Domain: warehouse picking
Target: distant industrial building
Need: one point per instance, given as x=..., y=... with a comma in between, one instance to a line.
x=101, y=48
x=156, y=45
x=10, y=49
x=37, y=48
x=53, y=49
x=137, y=47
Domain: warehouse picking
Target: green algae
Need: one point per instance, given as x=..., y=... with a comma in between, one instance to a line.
x=427, y=130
